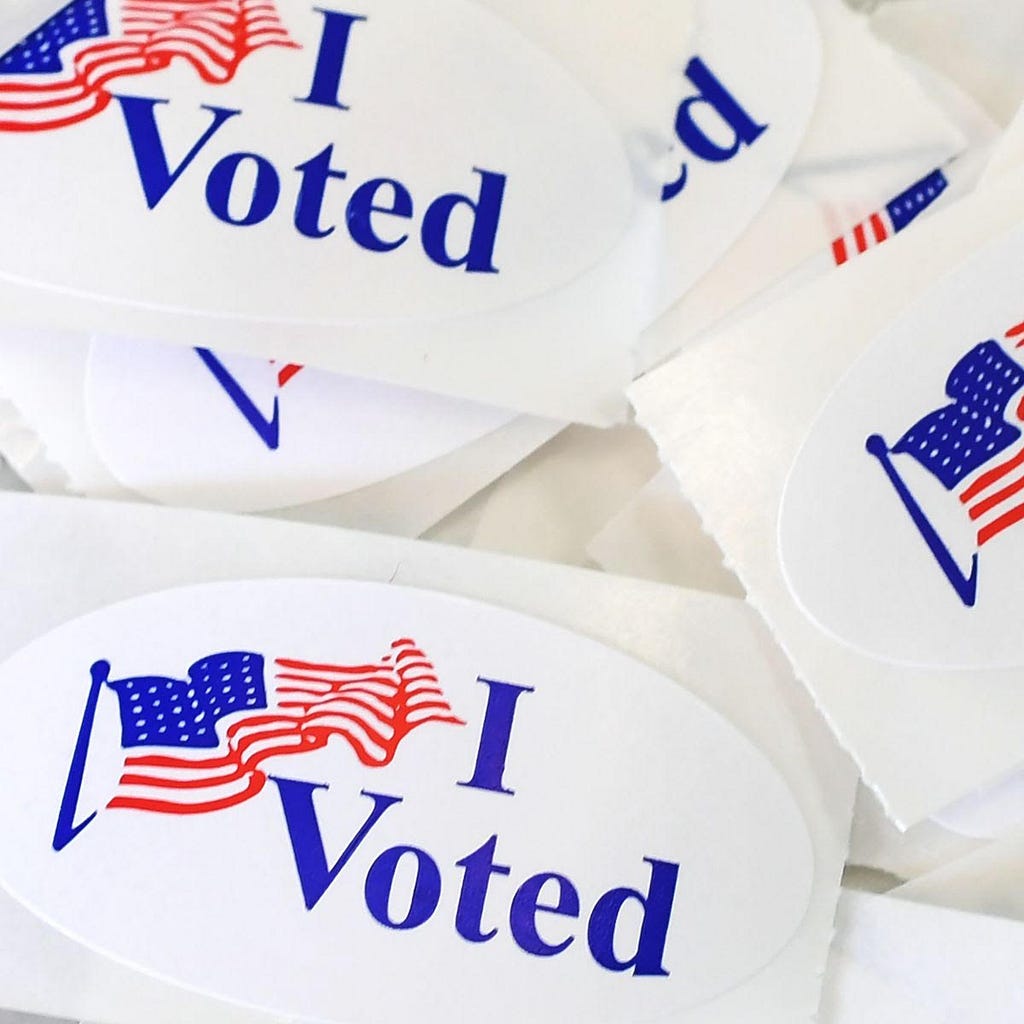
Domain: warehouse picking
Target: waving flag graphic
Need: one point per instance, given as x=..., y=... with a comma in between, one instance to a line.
x=268, y=429
x=60, y=73
x=974, y=446
x=198, y=745
x=898, y=213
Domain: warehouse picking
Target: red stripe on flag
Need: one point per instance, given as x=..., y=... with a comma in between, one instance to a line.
x=214, y=37
x=878, y=225
x=1015, y=332
x=860, y=238
x=286, y=373
x=990, y=477
x=989, y=503
x=1005, y=521
x=373, y=707
x=255, y=785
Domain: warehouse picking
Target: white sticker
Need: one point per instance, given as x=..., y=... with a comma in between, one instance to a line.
x=294, y=810
x=900, y=520
x=193, y=427
x=290, y=173
x=408, y=189
x=714, y=97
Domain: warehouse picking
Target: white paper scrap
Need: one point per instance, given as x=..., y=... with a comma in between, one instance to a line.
x=658, y=535
x=894, y=962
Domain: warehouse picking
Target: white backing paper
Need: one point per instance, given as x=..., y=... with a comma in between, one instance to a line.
x=894, y=962
x=188, y=427
x=730, y=417
x=657, y=535
x=45, y=433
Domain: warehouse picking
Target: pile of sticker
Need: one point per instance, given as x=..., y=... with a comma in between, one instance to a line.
x=517, y=537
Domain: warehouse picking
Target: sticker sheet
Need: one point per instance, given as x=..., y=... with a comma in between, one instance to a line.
x=200, y=615
x=111, y=418
x=549, y=506
x=982, y=881
x=658, y=535
x=980, y=54
x=486, y=225
x=891, y=965
x=854, y=460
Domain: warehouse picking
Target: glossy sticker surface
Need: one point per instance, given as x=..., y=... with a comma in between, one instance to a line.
x=902, y=524
x=409, y=190
x=353, y=783
x=193, y=427
x=266, y=160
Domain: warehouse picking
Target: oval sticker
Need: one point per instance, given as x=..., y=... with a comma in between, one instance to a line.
x=408, y=190
x=357, y=802
x=304, y=157
x=902, y=523
x=190, y=426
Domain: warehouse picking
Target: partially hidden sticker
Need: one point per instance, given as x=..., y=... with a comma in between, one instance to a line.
x=195, y=427
x=902, y=523
x=356, y=802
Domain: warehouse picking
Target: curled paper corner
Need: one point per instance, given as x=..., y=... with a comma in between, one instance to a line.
x=756, y=606
x=648, y=418
x=27, y=453
x=658, y=535
x=648, y=424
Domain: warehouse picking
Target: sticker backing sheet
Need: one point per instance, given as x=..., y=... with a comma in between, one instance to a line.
x=730, y=416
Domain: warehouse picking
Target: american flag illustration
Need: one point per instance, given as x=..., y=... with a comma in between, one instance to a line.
x=974, y=446
x=373, y=707
x=268, y=429
x=60, y=73
x=896, y=215
x=285, y=372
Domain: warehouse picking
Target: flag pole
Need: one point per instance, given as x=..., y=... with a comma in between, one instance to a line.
x=965, y=586
x=66, y=829
x=268, y=430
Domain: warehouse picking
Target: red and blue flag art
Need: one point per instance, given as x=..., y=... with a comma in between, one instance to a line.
x=897, y=215
x=268, y=429
x=197, y=745
x=974, y=447
x=61, y=73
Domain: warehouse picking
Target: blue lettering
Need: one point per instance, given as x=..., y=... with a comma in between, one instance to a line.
x=154, y=171
x=712, y=94
x=330, y=59
x=479, y=866
x=314, y=173
x=458, y=230
x=426, y=889
x=315, y=876
x=485, y=212
x=526, y=905
x=495, y=735
x=265, y=190
x=657, y=913
x=363, y=205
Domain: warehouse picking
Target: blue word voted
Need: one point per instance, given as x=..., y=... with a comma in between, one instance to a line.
x=714, y=99
x=377, y=213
